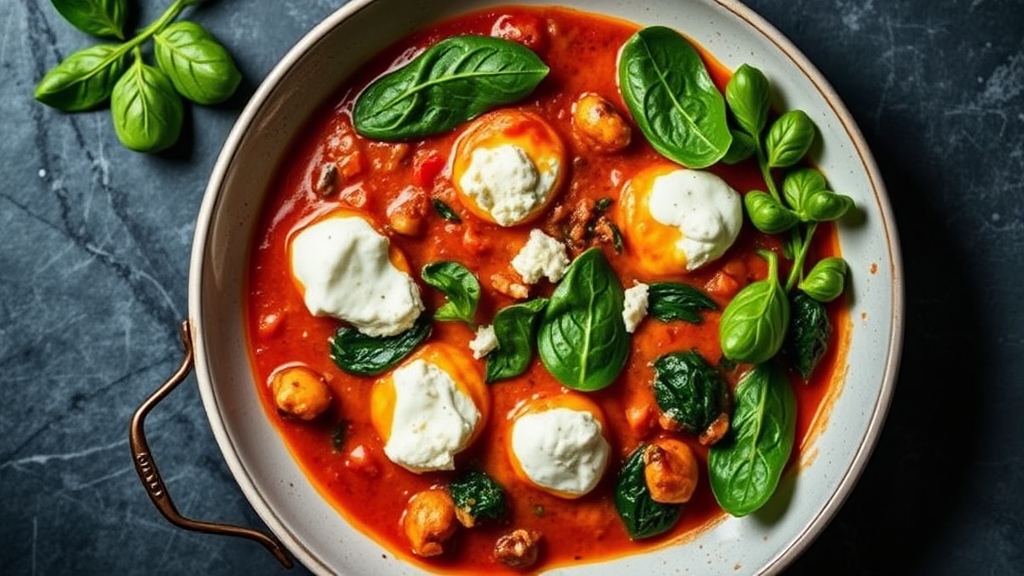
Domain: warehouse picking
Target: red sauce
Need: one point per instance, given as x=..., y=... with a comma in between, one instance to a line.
x=340, y=452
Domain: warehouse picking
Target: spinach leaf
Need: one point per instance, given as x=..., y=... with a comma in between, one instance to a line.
x=362, y=355
x=103, y=18
x=147, y=112
x=477, y=495
x=753, y=325
x=459, y=285
x=84, y=79
x=445, y=211
x=515, y=327
x=689, y=390
x=809, y=332
x=451, y=82
x=672, y=99
x=642, y=516
x=201, y=68
x=668, y=301
x=744, y=467
x=582, y=339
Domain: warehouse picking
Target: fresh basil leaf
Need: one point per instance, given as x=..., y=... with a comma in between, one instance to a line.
x=459, y=285
x=753, y=325
x=103, y=18
x=450, y=83
x=84, y=79
x=809, y=332
x=789, y=139
x=744, y=467
x=582, y=340
x=826, y=205
x=768, y=214
x=147, y=112
x=200, y=67
x=748, y=96
x=515, y=327
x=641, y=515
x=689, y=390
x=826, y=280
x=672, y=99
x=798, y=186
x=668, y=301
x=362, y=355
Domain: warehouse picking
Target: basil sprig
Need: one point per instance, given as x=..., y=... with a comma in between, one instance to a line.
x=671, y=96
x=753, y=325
x=147, y=117
x=460, y=287
x=449, y=83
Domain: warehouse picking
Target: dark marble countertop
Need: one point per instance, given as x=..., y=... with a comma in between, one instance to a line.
x=95, y=243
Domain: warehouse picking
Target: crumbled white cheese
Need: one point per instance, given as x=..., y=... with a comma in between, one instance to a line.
x=433, y=420
x=705, y=209
x=634, y=308
x=541, y=256
x=344, y=268
x=485, y=341
x=561, y=449
x=506, y=183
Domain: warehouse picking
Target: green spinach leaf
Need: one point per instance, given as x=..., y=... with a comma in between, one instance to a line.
x=362, y=355
x=459, y=285
x=744, y=468
x=582, y=340
x=200, y=67
x=668, y=301
x=689, y=390
x=147, y=112
x=809, y=332
x=515, y=328
x=450, y=83
x=642, y=516
x=84, y=79
x=103, y=18
x=672, y=98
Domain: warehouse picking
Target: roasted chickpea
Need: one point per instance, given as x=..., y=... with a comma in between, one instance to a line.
x=671, y=471
x=300, y=392
x=598, y=125
x=429, y=521
x=518, y=548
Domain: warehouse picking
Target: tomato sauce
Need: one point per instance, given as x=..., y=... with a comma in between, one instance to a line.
x=340, y=452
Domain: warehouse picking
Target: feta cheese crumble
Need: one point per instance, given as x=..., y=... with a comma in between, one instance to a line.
x=635, y=306
x=541, y=256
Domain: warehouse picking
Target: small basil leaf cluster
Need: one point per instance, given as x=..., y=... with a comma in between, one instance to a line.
x=145, y=100
x=753, y=327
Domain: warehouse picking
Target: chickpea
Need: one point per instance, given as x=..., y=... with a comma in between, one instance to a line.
x=598, y=125
x=429, y=521
x=300, y=392
x=407, y=213
x=518, y=548
x=671, y=470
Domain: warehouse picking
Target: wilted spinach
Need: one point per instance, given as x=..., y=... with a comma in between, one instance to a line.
x=745, y=467
x=449, y=83
x=362, y=355
x=809, y=332
x=477, y=495
x=689, y=390
x=146, y=116
x=642, y=516
x=669, y=301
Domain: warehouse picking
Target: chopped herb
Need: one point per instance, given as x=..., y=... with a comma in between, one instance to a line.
x=338, y=433
x=445, y=211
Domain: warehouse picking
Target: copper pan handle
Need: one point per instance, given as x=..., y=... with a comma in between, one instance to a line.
x=150, y=476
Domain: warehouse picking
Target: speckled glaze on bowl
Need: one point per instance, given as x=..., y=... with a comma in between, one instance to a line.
x=314, y=532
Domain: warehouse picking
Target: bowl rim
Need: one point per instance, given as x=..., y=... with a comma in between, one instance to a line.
x=307, y=43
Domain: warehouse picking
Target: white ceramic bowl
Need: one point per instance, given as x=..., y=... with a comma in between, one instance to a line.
x=314, y=532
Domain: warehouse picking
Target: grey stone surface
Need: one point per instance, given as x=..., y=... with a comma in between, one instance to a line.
x=95, y=242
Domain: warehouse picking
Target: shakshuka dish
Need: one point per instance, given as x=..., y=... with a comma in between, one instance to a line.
x=540, y=287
